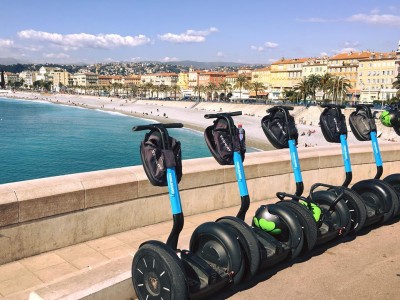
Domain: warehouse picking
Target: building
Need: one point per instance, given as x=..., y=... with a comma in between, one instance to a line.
x=60, y=78
x=28, y=78
x=132, y=80
x=285, y=74
x=346, y=65
x=205, y=78
x=85, y=79
x=375, y=77
x=193, y=78
x=262, y=75
x=315, y=66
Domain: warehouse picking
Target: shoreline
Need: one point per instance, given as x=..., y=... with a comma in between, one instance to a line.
x=193, y=117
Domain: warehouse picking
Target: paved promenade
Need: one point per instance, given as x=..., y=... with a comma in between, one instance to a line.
x=364, y=267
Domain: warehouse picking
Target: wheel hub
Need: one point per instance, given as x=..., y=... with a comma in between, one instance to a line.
x=152, y=282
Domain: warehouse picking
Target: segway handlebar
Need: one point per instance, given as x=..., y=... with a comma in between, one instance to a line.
x=231, y=114
x=280, y=107
x=282, y=196
x=333, y=105
x=157, y=126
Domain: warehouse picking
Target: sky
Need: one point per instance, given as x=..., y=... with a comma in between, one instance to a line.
x=251, y=32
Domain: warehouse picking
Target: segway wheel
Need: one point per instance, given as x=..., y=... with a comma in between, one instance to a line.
x=377, y=195
x=286, y=226
x=356, y=206
x=249, y=243
x=307, y=222
x=340, y=217
x=219, y=246
x=158, y=273
x=394, y=181
x=395, y=198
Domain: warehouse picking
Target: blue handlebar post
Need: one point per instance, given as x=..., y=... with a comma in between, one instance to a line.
x=240, y=175
x=173, y=191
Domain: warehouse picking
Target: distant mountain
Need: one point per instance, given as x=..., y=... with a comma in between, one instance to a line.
x=199, y=64
x=9, y=61
x=207, y=65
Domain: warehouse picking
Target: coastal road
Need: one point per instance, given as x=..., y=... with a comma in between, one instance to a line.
x=363, y=267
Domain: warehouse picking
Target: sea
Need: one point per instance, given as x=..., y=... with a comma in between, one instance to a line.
x=41, y=139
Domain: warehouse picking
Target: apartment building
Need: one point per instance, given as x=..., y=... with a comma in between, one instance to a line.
x=285, y=74
x=193, y=78
x=85, y=79
x=346, y=65
x=262, y=75
x=28, y=77
x=132, y=80
x=216, y=78
x=59, y=78
x=183, y=80
x=315, y=66
x=375, y=77
x=10, y=78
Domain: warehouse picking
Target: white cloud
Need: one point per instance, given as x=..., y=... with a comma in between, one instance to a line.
x=322, y=54
x=220, y=54
x=55, y=55
x=272, y=60
x=374, y=11
x=376, y=19
x=6, y=43
x=168, y=59
x=138, y=58
x=84, y=40
x=345, y=50
x=190, y=36
x=351, y=44
x=267, y=45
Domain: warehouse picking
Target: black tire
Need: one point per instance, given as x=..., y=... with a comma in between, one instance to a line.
x=249, y=243
x=356, y=206
x=307, y=222
x=376, y=194
x=340, y=217
x=224, y=244
x=295, y=238
x=394, y=181
x=395, y=198
x=158, y=273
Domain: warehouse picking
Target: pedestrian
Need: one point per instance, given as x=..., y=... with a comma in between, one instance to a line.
x=242, y=136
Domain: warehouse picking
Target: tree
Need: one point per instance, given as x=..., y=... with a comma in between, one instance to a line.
x=240, y=83
x=175, y=89
x=396, y=85
x=339, y=88
x=314, y=82
x=211, y=87
x=325, y=83
x=302, y=88
x=256, y=87
x=198, y=89
x=226, y=87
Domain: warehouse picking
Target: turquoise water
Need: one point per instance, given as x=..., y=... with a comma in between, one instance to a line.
x=39, y=139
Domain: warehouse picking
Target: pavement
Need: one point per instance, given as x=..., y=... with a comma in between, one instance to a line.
x=363, y=267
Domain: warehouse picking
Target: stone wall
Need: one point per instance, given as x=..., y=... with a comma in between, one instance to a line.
x=45, y=214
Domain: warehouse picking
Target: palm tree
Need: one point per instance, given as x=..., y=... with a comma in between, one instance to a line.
x=396, y=85
x=211, y=87
x=175, y=89
x=226, y=87
x=256, y=86
x=314, y=82
x=325, y=83
x=241, y=81
x=339, y=88
x=198, y=89
x=302, y=88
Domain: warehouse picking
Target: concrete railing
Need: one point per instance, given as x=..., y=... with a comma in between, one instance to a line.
x=46, y=214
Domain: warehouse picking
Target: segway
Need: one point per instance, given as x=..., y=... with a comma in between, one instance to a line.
x=380, y=199
x=277, y=230
x=326, y=206
x=334, y=130
x=160, y=270
x=391, y=118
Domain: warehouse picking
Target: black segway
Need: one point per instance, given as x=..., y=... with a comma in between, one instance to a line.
x=160, y=270
x=277, y=230
x=391, y=118
x=334, y=129
x=380, y=199
x=326, y=206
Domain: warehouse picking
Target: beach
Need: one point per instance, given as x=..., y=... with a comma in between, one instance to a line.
x=191, y=114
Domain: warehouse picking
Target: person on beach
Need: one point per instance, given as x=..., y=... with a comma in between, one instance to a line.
x=242, y=136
